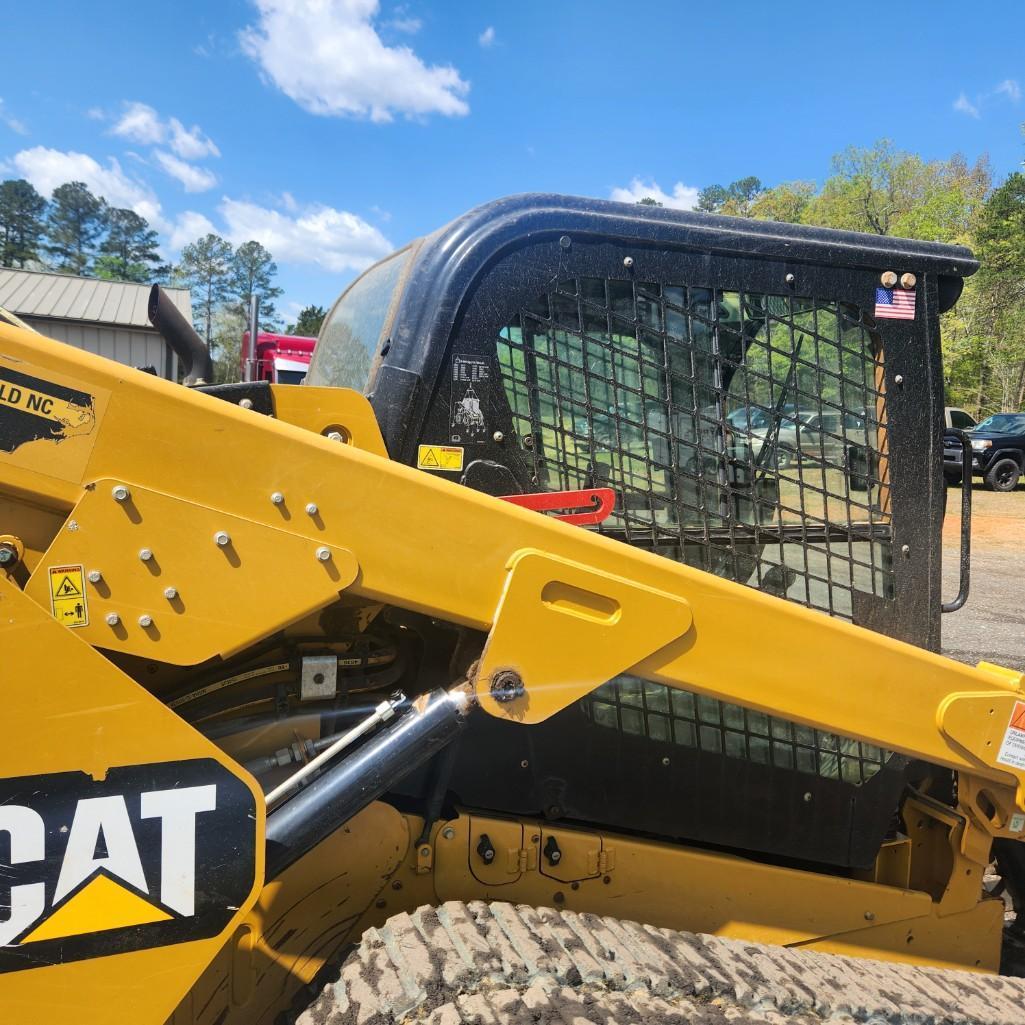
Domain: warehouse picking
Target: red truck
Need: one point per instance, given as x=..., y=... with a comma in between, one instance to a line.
x=280, y=359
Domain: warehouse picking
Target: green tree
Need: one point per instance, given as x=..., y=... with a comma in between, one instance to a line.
x=734, y=199
x=252, y=273
x=785, y=202
x=73, y=227
x=129, y=252
x=22, y=211
x=648, y=201
x=309, y=321
x=206, y=269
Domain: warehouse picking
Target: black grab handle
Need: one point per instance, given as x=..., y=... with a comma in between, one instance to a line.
x=966, y=520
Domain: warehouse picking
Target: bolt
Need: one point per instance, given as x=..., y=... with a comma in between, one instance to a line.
x=94, y=576
x=120, y=493
x=72, y=525
x=665, y=761
x=448, y=833
x=277, y=497
x=425, y=851
x=528, y=442
x=323, y=553
x=170, y=593
x=888, y=279
x=899, y=379
x=335, y=436
x=565, y=241
x=870, y=916
x=145, y=554
x=246, y=403
x=311, y=509
x=908, y=280
x=506, y=686
x=628, y=262
x=524, y=763
x=807, y=797
x=145, y=620
x=222, y=538
x=397, y=885
x=789, y=279
x=112, y=619
x=498, y=436
x=905, y=550
x=380, y=904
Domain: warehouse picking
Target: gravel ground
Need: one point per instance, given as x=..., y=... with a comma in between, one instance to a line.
x=991, y=627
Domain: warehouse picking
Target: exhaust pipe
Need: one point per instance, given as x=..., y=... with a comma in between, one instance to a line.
x=298, y=825
x=182, y=337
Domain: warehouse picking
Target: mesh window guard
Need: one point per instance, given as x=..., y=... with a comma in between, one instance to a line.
x=742, y=433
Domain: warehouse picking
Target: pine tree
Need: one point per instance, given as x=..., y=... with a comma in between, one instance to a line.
x=75, y=223
x=309, y=321
x=205, y=268
x=129, y=252
x=252, y=272
x=22, y=210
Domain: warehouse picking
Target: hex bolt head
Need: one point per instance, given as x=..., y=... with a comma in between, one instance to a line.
x=120, y=493
x=908, y=281
x=790, y=279
x=246, y=403
x=905, y=550
x=222, y=538
x=628, y=262
x=323, y=553
x=899, y=379
x=145, y=620
x=145, y=554
x=311, y=509
x=112, y=619
x=335, y=436
x=888, y=279
x=277, y=498
x=807, y=797
x=448, y=833
x=170, y=593
x=94, y=576
x=498, y=436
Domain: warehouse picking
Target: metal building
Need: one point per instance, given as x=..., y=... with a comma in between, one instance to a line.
x=105, y=317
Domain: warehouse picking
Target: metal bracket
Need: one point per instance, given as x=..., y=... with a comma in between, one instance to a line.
x=562, y=629
x=318, y=678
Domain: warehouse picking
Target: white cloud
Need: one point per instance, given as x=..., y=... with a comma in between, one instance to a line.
x=402, y=21
x=333, y=239
x=683, y=197
x=487, y=37
x=193, y=178
x=963, y=105
x=16, y=126
x=141, y=123
x=188, y=227
x=96, y=114
x=47, y=168
x=326, y=55
x=1010, y=88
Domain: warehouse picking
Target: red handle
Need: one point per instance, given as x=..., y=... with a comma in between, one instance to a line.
x=583, y=508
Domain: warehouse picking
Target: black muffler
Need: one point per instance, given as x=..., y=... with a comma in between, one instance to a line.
x=332, y=799
x=182, y=337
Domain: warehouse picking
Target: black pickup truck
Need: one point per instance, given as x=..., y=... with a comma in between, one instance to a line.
x=998, y=452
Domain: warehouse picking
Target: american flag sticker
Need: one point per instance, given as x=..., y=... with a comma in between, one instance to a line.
x=895, y=303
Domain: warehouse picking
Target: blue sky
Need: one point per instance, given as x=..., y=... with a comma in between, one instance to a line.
x=336, y=130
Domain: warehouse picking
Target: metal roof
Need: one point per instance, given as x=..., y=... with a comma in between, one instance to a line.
x=30, y=293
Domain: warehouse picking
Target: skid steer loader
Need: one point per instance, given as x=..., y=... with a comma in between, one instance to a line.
x=565, y=648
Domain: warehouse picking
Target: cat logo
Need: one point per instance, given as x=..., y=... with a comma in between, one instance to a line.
x=152, y=855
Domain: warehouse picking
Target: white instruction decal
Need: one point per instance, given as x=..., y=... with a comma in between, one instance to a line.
x=1012, y=750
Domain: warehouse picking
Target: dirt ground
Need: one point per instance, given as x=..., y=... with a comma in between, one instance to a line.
x=991, y=626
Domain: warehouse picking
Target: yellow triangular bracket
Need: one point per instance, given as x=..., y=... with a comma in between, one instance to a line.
x=562, y=629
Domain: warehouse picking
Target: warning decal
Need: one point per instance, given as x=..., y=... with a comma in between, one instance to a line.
x=1012, y=750
x=448, y=458
x=67, y=595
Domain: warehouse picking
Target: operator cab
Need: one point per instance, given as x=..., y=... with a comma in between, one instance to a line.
x=760, y=399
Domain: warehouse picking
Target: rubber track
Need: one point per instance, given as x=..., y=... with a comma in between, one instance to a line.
x=496, y=964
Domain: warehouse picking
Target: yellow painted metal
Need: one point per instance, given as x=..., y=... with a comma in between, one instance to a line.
x=677, y=887
x=149, y=542
x=432, y=546
x=302, y=918
x=65, y=708
x=326, y=410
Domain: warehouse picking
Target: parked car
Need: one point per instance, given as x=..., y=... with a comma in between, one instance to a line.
x=959, y=418
x=998, y=452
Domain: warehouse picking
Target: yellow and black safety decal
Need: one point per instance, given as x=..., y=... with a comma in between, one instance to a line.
x=150, y=856
x=448, y=458
x=67, y=595
x=33, y=409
